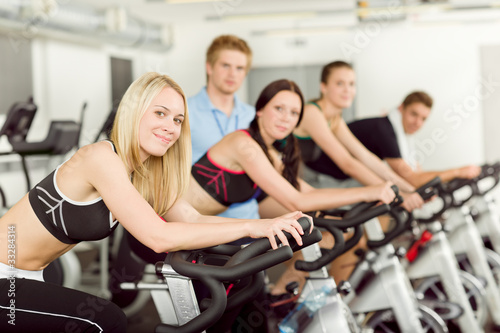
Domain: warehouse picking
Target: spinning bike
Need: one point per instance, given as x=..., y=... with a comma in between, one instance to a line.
x=173, y=292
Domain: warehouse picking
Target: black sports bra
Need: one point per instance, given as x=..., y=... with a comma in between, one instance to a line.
x=224, y=185
x=68, y=220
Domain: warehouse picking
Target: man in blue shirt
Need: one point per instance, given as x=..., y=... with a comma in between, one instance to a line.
x=216, y=111
x=213, y=113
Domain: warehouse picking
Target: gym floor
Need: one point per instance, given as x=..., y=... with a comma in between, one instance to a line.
x=145, y=321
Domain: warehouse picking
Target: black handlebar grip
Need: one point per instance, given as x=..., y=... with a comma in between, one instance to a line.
x=351, y=242
x=447, y=203
x=403, y=221
x=359, y=208
x=429, y=189
x=395, y=189
x=263, y=244
x=334, y=227
x=360, y=217
x=305, y=223
x=456, y=184
x=496, y=166
x=363, y=206
x=328, y=255
x=487, y=170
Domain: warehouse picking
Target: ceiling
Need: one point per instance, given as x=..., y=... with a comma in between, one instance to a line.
x=172, y=11
x=132, y=20
x=163, y=11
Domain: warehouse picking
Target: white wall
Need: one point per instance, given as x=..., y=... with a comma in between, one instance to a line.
x=66, y=76
x=489, y=64
x=445, y=63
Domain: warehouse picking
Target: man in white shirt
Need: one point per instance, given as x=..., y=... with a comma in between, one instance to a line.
x=391, y=139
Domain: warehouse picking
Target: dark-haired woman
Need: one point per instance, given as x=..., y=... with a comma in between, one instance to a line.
x=235, y=168
x=246, y=162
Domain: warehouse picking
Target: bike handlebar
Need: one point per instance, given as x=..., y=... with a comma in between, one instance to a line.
x=244, y=262
x=432, y=188
x=335, y=227
x=429, y=189
x=402, y=217
x=403, y=220
x=446, y=191
x=364, y=206
x=487, y=170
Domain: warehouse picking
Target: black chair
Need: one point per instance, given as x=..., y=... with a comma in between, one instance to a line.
x=63, y=135
x=107, y=126
x=18, y=121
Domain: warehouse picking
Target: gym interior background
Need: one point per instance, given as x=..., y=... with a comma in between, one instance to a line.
x=65, y=53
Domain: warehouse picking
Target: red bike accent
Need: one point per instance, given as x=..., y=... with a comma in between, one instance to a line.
x=412, y=253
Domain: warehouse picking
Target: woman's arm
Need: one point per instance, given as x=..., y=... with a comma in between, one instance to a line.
x=265, y=175
x=304, y=186
x=411, y=200
x=183, y=211
x=359, y=151
x=315, y=125
x=107, y=174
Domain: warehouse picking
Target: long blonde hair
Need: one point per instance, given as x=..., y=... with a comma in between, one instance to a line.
x=160, y=180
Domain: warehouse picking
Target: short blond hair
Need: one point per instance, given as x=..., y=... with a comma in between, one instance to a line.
x=228, y=42
x=161, y=180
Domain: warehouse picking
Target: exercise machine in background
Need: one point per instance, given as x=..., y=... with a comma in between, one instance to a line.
x=63, y=136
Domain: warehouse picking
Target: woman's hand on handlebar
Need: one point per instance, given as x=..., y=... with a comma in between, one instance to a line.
x=275, y=227
x=468, y=171
x=382, y=192
x=411, y=201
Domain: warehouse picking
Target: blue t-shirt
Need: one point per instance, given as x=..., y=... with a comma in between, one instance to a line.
x=208, y=126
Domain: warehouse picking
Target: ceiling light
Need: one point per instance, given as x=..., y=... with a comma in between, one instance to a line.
x=267, y=16
x=298, y=32
x=189, y=1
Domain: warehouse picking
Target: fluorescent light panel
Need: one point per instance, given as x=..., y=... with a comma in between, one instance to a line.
x=190, y=1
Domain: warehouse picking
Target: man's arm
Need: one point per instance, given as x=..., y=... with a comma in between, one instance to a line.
x=418, y=178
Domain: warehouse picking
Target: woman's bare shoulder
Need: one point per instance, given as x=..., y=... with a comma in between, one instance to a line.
x=93, y=157
x=237, y=138
x=98, y=150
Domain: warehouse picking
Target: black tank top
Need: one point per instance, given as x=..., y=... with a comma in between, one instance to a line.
x=224, y=185
x=68, y=220
x=316, y=159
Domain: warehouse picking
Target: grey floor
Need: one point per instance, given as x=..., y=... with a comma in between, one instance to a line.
x=145, y=321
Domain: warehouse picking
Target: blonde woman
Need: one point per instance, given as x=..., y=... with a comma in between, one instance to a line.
x=135, y=179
